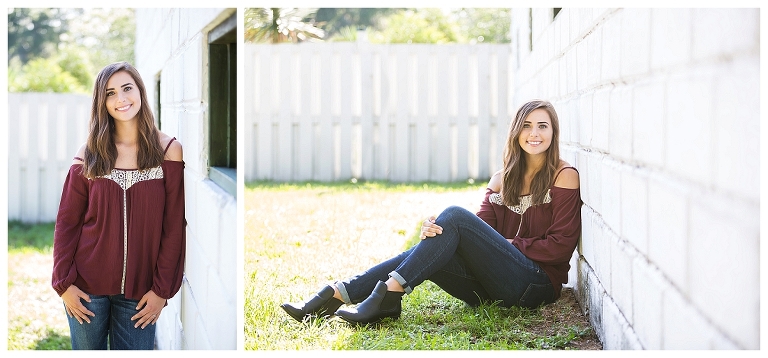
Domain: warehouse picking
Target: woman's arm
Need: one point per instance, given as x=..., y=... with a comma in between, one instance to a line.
x=487, y=212
x=170, y=262
x=69, y=223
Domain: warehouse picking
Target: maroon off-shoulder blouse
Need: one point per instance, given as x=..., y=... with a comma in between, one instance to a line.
x=545, y=233
x=121, y=233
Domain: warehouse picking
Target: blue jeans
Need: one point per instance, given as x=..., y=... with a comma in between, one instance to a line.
x=469, y=260
x=112, y=318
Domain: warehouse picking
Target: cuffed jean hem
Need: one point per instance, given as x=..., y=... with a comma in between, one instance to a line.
x=401, y=281
x=343, y=292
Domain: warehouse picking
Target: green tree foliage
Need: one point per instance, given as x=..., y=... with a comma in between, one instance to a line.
x=417, y=26
x=463, y=25
x=342, y=24
x=35, y=32
x=86, y=40
x=383, y=25
x=276, y=25
x=44, y=75
x=77, y=62
x=484, y=24
x=108, y=35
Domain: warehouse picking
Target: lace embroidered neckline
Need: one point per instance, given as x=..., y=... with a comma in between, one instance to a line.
x=127, y=178
x=526, y=201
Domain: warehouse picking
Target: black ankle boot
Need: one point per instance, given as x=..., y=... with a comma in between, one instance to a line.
x=322, y=304
x=379, y=305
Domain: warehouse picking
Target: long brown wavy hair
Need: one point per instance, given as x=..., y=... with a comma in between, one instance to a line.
x=100, y=151
x=515, y=165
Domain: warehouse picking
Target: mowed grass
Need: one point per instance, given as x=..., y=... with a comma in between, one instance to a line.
x=36, y=318
x=299, y=237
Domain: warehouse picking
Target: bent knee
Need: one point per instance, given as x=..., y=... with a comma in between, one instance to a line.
x=454, y=212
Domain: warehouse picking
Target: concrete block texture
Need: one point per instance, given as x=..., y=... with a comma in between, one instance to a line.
x=585, y=119
x=634, y=208
x=594, y=166
x=610, y=191
x=620, y=132
x=736, y=119
x=569, y=76
x=689, y=128
x=686, y=327
x=610, y=37
x=664, y=116
x=228, y=263
x=590, y=295
x=622, y=257
x=670, y=38
x=723, y=266
x=168, y=332
x=541, y=17
x=724, y=32
x=215, y=202
x=200, y=338
x=601, y=112
x=668, y=222
x=648, y=288
x=192, y=72
x=572, y=111
x=171, y=49
x=220, y=304
x=635, y=42
x=605, y=243
x=587, y=243
x=617, y=332
x=648, y=145
x=593, y=47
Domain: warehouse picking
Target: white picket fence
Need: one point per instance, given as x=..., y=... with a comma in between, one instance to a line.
x=45, y=131
x=338, y=111
x=322, y=112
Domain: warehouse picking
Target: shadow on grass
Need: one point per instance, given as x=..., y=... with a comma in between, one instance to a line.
x=53, y=341
x=434, y=320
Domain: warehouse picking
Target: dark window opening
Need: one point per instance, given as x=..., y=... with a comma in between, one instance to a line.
x=555, y=11
x=158, y=121
x=530, y=27
x=222, y=109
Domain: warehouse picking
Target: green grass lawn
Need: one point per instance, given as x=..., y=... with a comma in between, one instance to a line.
x=36, y=318
x=299, y=237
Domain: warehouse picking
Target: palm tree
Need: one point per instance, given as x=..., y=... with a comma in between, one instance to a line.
x=276, y=25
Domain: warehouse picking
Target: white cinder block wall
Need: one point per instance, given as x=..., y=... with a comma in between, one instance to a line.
x=171, y=45
x=659, y=110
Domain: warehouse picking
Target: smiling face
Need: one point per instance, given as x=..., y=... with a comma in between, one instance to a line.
x=123, y=97
x=536, y=135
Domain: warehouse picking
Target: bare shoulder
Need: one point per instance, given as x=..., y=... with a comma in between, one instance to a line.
x=78, y=159
x=568, y=178
x=495, y=183
x=175, y=151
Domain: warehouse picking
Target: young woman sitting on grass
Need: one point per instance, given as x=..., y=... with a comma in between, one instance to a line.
x=515, y=250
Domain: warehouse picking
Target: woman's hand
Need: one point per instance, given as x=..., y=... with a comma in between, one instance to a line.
x=152, y=305
x=429, y=228
x=74, y=306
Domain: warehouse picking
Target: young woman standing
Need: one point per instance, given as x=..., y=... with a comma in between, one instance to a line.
x=119, y=241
